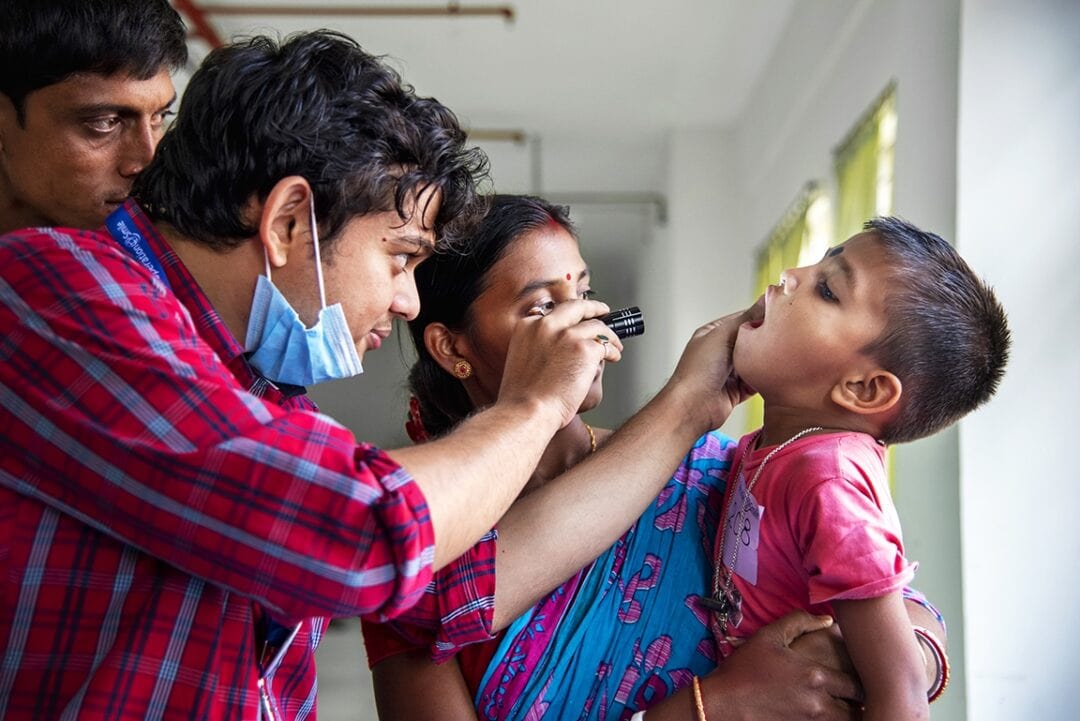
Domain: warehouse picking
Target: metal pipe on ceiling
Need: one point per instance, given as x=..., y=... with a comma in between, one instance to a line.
x=197, y=13
x=200, y=24
x=452, y=9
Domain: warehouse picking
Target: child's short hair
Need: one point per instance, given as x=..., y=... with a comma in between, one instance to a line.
x=946, y=336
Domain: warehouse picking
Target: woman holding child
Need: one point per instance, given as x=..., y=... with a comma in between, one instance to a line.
x=628, y=631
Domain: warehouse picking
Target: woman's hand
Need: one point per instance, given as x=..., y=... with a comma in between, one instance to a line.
x=766, y=680
x=554, y=358
x=825, y=647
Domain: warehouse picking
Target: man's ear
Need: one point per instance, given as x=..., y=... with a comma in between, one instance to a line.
x=285, y=219
x=445, y=346
x=874, y=392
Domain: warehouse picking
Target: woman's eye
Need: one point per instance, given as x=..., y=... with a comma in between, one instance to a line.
x=588, y=294
x=542, y=308
x=825, y=291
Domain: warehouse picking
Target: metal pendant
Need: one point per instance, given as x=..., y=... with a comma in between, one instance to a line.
x=727, y=605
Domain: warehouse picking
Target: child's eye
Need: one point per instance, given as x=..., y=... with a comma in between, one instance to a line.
x=825, y=291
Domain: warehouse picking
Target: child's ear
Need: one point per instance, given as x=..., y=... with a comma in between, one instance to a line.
x=444, y=346
x=873, y=392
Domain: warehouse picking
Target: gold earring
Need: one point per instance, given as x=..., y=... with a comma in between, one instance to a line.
x=462, y=370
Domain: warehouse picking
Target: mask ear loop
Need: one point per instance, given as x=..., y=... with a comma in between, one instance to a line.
x=318, y=258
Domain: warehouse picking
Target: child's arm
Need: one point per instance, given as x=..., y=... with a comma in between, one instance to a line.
x=877, y=632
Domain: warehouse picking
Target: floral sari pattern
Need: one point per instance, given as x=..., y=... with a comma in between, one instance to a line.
x=627, y=631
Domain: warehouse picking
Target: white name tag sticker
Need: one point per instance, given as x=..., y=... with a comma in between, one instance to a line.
x=743, y=528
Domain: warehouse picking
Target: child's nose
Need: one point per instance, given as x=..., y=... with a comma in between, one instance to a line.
x=789, y=280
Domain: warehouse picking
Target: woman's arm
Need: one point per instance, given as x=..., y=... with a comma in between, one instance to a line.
x=410, y=687
x=765, y=680
x=878, y=636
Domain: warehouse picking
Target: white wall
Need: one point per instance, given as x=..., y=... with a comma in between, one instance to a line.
x=1018, y=221
x=687, y=275
x=728, y=188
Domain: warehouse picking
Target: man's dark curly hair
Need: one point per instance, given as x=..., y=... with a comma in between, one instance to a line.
x=946, y=338
x=314, y=105
x=43, y=42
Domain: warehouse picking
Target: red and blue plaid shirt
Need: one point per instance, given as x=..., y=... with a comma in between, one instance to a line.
x=160, y=504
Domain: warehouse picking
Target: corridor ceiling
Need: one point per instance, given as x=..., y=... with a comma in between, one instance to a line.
x=623, y=68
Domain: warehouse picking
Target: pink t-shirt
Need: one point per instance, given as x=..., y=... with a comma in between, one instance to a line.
x=828, y=529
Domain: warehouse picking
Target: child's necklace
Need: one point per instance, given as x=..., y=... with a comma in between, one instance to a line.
x=726, y=601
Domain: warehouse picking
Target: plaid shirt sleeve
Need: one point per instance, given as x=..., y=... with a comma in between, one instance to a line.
x=455, y=610
x=115, y=412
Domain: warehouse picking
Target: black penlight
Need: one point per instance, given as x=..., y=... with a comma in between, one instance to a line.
x=625, y=321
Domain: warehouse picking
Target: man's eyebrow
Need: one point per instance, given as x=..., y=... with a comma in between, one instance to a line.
x=541, y=284
x=116, y=108
x=420, y=241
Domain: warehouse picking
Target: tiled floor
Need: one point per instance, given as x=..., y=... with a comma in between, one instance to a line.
x=344, y=680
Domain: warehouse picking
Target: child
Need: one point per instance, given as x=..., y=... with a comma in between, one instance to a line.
x=889, y=338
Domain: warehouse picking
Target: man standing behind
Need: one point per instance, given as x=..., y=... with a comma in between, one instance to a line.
x=85, y=89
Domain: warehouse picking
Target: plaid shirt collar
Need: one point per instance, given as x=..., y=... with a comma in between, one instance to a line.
x=209, y=324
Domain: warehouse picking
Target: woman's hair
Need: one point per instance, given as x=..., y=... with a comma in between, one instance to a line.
x=448, y=283
x=318, y=106
x=946, y=338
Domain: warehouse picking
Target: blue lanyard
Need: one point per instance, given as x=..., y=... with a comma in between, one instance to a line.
x=124, y=231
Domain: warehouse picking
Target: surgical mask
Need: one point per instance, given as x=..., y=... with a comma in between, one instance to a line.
x=283, y=350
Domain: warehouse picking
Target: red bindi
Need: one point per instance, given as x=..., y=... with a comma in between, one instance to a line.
x=568, y=276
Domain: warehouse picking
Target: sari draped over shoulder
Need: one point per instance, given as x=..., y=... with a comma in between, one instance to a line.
x=628, y=630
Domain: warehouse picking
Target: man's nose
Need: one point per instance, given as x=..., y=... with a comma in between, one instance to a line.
x=138, y=150
x=407, y=299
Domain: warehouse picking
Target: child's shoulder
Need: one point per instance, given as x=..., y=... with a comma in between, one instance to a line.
x=843, y=454
x=839, y=445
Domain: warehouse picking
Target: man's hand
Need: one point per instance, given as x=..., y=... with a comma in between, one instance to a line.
x=705, y=372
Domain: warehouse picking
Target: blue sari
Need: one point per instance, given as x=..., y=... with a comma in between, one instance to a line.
x=628, y=630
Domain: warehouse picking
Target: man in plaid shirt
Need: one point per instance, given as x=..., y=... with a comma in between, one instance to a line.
x=177, y=520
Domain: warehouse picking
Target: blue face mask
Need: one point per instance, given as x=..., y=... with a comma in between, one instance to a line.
x=283, y=350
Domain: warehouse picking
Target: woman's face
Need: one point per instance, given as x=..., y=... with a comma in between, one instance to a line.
x=537, y=270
